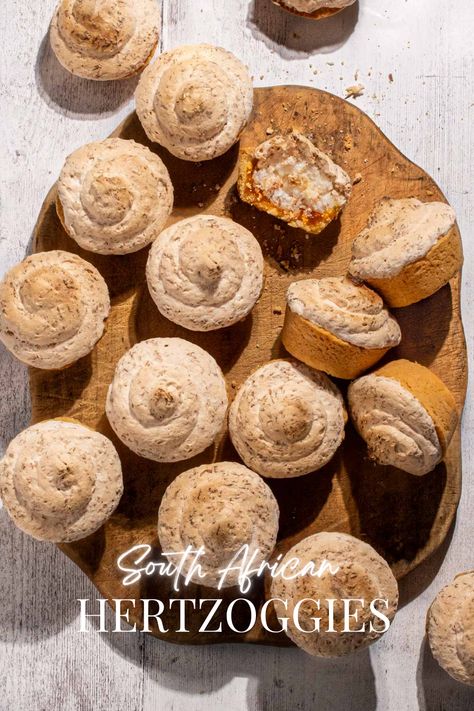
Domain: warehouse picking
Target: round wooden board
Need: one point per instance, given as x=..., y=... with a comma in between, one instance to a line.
x=404, y=517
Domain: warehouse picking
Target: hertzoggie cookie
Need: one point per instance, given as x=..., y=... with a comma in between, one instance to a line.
x=195, y=101
x=408, y=251
x=114, y=196
x=60, y=481
x=337, y=326
x=362, y=575
x=450, y=628
x=314, y=9
x=53, y=307
x=168, y=399
x=406, y=415
x=205, y=272
x=110, y=39
x=221, y=508
x=288, y=177
x=287, y=420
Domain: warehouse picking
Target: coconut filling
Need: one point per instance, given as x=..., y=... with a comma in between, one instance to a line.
x=296, y=187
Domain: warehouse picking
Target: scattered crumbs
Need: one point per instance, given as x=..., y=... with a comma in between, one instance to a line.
x=277, y=312
x=356, y=75
x=330, y=64
x=390, y=77
x=348, y=142
x=357, y=178
x=217, y=187
x=354, y=91
x=429, y=192
x=269, y=131
x=200, y=204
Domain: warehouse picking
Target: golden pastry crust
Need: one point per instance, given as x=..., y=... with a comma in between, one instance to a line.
x=53, y=308
x=271, y=179
x=323, y=9
x=195, y=101
x=205, y=272
x=111, y=39
x=221, y=508
x=363, y=574
x=60, y=481
x=450, y=628
x=406, y=415
x=287, y=420
x=168, y=399
x=114, y=196
x=338, y=327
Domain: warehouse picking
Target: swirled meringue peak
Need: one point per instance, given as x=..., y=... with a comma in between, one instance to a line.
x=53, y=306
x=115, y=196
x=353, y=312
x=220, y=508
x=168, y=399
x=287, y=420
x=450, y=628
x=60, y=481
x=105, y=39
x=357, y=572
x=205, y=272
x=195, y=101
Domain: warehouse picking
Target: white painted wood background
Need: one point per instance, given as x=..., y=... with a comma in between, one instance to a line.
x=427, y=111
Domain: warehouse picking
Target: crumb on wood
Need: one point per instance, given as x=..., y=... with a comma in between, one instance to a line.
x=357, y=178
x=348, y=142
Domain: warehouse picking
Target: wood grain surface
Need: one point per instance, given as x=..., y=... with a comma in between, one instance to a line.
x=404, y=517
x=426, y=108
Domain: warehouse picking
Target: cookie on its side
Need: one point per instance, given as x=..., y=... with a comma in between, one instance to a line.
x=205, y=272
x=288, y=177
x=53, y=308
x=450, y=628
x=362, y=574
x=111, y=39
x=287, y=420
x=221, y=508
x=406, y=415
x=195, y=101
x=60, y=481
x=114, y=196
x=408, y=251
x=335, y=325
x=168, y=399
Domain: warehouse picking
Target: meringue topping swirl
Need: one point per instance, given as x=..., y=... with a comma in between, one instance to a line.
x=60, y=481
x=205, y=272
x=115, y=196
x=220, y=507
x=195, y=101
x=396, y=427
x=168, y=399
x=352, y=312
x=105, y=39
x=287, y=420
x=399, y=232
x=52, y=309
